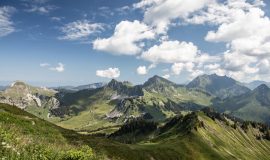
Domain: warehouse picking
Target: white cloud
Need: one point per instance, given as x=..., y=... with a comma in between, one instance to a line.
x=59, y=68
x=177, y=68
x=57, y=19
x=161, y=13
x=109, y=73
x=44, y=64
x=79, y=29
x=184, y=57
x=171, y=52
x=41, y=9
x=244, y=27
x=166, y=76
x=125, y=39
x=123, y=10
x=6, y=24
x=142, y=70
x=38, y=6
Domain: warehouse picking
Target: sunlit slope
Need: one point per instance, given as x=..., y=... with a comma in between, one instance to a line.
x=24, y=136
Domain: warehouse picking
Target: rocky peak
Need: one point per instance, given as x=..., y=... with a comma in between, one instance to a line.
x=18, y=84
x=262, y=89
x=114, y=84
x=157, y=80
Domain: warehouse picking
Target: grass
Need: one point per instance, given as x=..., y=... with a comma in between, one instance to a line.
x=24, y=136
x=91, y=119
x=34, y=138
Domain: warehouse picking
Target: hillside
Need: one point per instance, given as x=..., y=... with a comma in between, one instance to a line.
x=251, y=106
x=24, y=136
x=197, y=135
x=220, y=86
x=200, y=135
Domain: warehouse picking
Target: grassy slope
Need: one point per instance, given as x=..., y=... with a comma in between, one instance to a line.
x=24, y=136
x=92, y=109
x=33, y=136
x=216, y=140
x=233, y=143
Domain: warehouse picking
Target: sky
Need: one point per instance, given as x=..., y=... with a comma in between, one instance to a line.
x=68, y=42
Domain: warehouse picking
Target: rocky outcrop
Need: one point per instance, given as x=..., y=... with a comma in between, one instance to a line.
x=22, y=95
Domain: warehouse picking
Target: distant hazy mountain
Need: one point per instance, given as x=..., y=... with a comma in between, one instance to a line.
x=254, y=84
x=254, y=105
x=2, y=88
x=82, y=87
x=220, y=86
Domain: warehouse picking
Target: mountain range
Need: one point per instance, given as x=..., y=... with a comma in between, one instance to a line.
x=254, y=105
x=111, y=104
x=254, y=84
x=78, y=88
x=119, y=120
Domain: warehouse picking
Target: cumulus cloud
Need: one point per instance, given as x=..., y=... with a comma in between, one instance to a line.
x=161, y=13
x=108, y=73
x=244, y=27
x=126, y=40
x=79, y=30
x=184, y=57
x=177, y=68
x=171, y=52
x=142, y=70
x=6, y=24
x=59, y=68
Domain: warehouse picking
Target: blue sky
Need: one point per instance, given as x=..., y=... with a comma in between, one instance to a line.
x=40, y=42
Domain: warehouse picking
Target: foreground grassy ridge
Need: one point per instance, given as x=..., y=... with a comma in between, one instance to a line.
x=24, y=136
x=233, y=143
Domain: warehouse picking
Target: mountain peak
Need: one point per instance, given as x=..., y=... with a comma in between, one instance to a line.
x=220, y=86
x=114, y=83
x=262, y=88
x=157, y=79
x=18, y=83
x=254, y=84
x=159, y=84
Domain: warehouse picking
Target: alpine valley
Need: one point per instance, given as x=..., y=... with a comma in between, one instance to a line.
x=212, y=117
